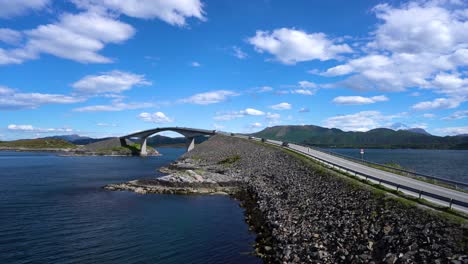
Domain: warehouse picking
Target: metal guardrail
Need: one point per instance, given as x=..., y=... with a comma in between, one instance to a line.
x=398, y=186
x=455, y=184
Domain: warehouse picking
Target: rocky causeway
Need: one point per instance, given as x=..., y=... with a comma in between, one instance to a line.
x=304, y=213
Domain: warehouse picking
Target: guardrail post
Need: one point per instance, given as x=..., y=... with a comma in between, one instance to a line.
x=450, y=204
x=420, y=193
x=397, y=187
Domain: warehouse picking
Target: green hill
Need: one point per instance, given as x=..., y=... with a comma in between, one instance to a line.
x=40, y=143
x=376, y=138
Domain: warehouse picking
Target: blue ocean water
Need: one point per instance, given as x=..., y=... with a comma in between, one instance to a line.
x=53, y=210
x=448, y=164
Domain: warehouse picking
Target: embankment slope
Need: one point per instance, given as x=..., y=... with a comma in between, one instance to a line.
x=303, y=213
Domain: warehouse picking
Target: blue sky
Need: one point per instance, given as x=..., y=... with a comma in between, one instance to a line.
x=111, y=67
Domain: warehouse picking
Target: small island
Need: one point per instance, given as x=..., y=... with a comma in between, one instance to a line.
x=108, y=147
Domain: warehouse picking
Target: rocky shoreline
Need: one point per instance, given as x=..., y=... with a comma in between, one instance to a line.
x=303, y=213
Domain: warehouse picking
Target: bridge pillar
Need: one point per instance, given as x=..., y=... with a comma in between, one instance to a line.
x=190, y=143
x=143, y=151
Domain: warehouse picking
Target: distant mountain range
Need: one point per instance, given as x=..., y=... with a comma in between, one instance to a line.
x=156, y=140
x=375, y=138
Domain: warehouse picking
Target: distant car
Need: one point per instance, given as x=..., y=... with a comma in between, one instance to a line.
x=285, y=144
x=263, y=140
x=250, y=137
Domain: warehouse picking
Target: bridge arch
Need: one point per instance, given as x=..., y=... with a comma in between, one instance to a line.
x=188, y=133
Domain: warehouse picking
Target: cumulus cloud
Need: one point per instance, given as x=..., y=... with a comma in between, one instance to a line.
x=195, y=64
x=281, y=106
x=12, y=8
x=77, y=37
x=209, y=97
x=158, y=117
x=226, y=116
x=361, y=121
x=359, y=100
x=418, y=44
x=290, y=46
x=10, y=99
x=30, y=128
x=439, y=103
x=174, y=12
x=109, y=82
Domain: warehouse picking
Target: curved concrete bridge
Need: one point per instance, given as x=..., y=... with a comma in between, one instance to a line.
x=188, y=133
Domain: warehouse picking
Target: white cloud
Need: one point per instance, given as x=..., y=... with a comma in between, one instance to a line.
x=256, y=125
x=238, y=114
x=429, y=115
x=359, y=100
x=361, y=121
x=174, y=12
x=272, y=116
x=418, y=28
x=77, y=37
x=303, y=92
x=307, y=85
x=238, y=53
x=158, y=117
x=12, y=8
x=290, y=46
x=264, y=89
x=457, y=115
x=115, y=106
x=109, y=82
x=209, y=97
x=30, y=128
x=102, y=124
x=439, y=103
x=10, y=36
x=12, y=100
x=414, y=45
x=281, y=106
x=304, y=110
x=195, y=64
x=218, y=126
x=453, y=131
x=251, y=111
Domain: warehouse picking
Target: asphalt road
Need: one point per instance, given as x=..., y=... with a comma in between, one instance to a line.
x=384, y=175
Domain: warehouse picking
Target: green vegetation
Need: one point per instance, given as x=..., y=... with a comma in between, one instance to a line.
x=38, y=144
x=230, y=160
x=376, y=138
x=378, y=190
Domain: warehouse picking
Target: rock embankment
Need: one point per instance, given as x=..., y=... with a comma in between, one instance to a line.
x=305, y=214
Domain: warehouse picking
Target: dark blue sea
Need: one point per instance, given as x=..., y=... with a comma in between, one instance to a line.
x=53, y=210
x=448, y=164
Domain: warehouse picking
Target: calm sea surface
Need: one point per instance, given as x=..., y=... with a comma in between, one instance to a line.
x=449, y=164
x=53, y=210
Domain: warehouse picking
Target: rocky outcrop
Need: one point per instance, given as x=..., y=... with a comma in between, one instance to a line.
x=304, y=213
x=185, y=177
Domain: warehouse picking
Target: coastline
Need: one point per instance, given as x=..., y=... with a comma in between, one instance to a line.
x=303, y=213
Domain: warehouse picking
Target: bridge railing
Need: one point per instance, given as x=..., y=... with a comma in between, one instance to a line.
x=455, y=184
x=419, y=192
